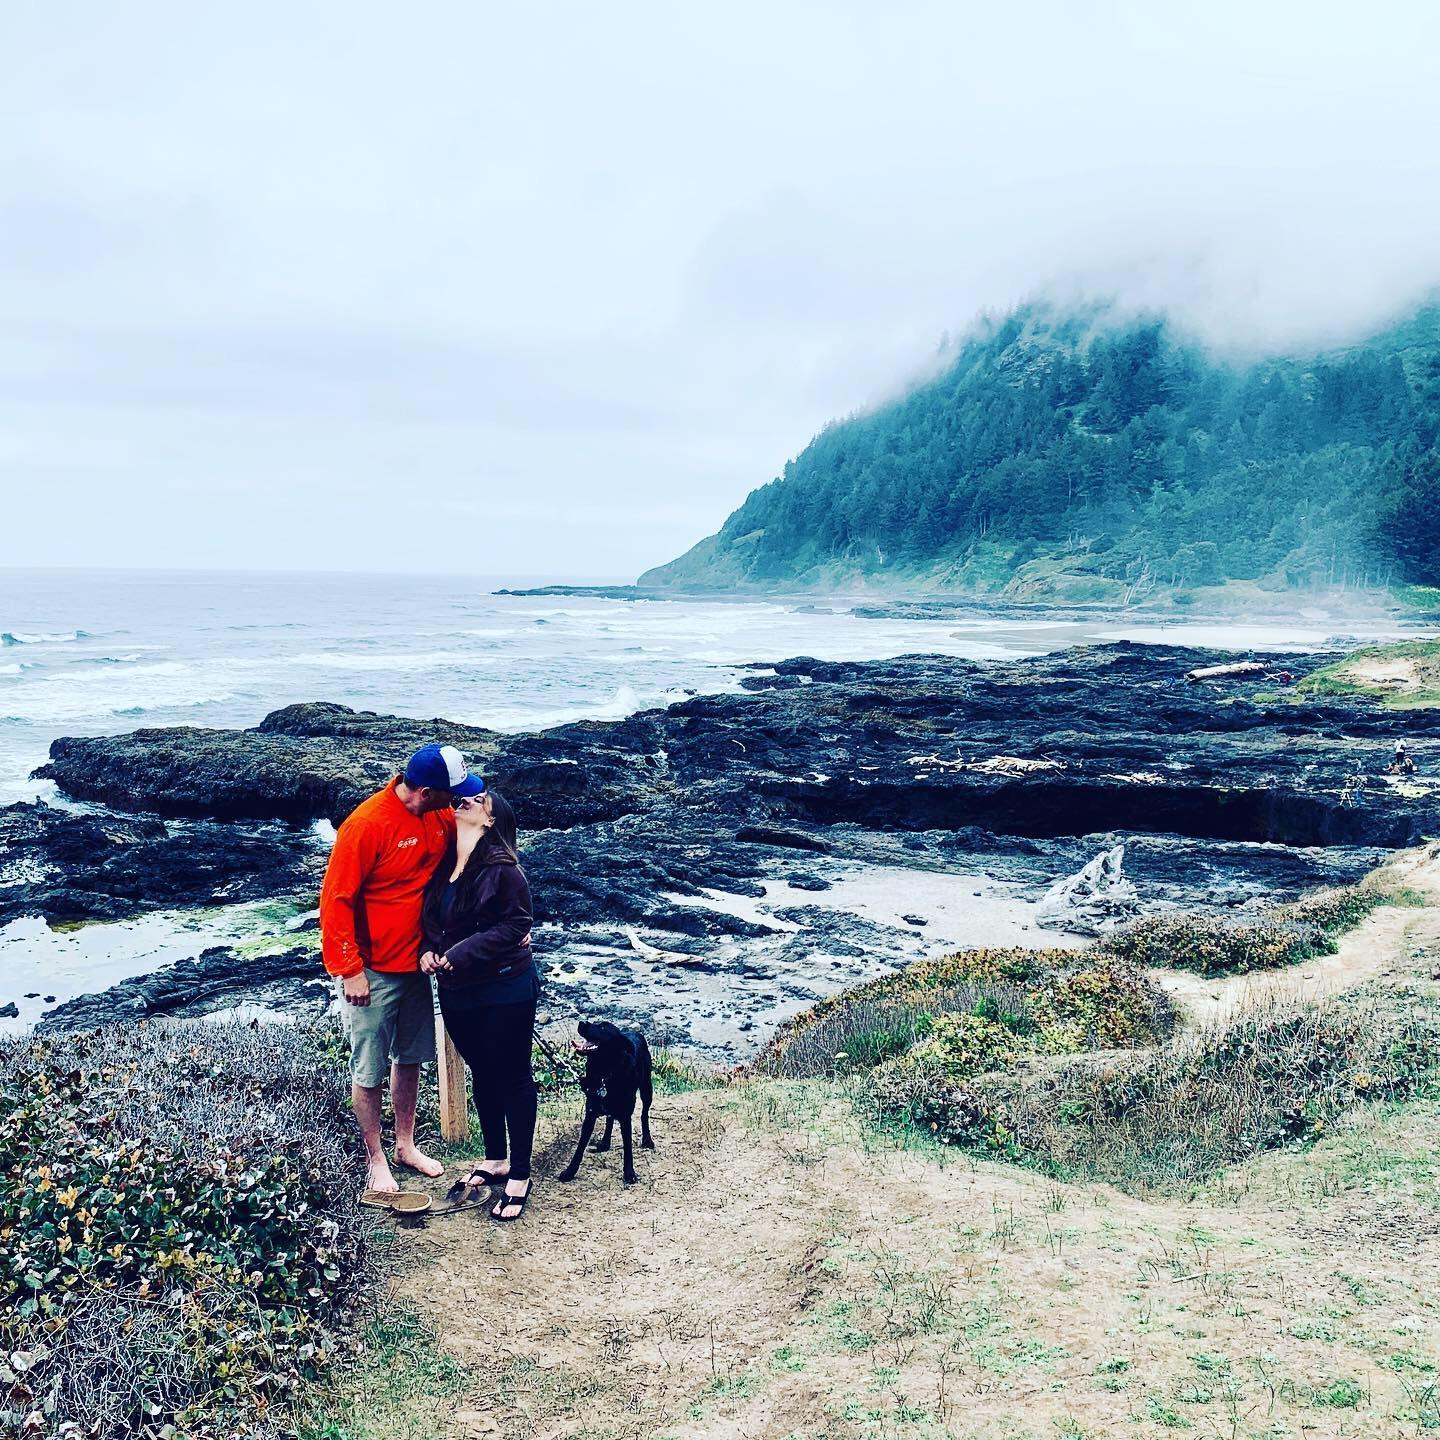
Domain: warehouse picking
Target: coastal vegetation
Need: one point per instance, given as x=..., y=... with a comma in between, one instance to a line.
x=180, y=1242
x=1218, y=945
x=1071, y=1060
x=1402, y=676
x=184, y=1256
x=1087, y=456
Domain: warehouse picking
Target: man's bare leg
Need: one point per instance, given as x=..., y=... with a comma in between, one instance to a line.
x=404, y=1088
x=366, y=1100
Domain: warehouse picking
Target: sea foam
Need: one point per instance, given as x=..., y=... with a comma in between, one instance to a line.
x=53, y=637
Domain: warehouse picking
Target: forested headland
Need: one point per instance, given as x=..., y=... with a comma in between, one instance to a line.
x=1075, y=455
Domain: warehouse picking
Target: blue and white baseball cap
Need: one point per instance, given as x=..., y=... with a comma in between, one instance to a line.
x=442, y=767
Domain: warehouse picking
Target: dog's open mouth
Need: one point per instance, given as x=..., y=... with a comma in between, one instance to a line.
x=583, y=1046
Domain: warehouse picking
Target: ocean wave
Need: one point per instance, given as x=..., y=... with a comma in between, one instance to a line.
x=145, y=707
x=396, y=660
x=55, y=637
x=104, y=690
x=625, y=701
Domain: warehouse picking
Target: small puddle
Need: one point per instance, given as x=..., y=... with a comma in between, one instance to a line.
x=63, y=963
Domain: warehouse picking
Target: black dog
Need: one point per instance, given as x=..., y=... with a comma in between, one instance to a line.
x=617, y=1068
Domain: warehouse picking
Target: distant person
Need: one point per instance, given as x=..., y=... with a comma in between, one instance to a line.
x=1401, y=763
x=477, y=921
x=385, y=852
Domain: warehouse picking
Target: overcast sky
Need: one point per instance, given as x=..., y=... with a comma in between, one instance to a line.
x=549, y=289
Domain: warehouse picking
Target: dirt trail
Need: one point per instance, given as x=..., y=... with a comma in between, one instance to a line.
x=779, y=1272
x=1381, y=946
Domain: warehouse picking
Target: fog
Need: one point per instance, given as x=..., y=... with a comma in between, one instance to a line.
x=347, y=286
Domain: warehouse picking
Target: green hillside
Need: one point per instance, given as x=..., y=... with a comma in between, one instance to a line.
x=1071, y=455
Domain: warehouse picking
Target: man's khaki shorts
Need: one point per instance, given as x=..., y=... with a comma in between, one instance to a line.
x=397, y=1026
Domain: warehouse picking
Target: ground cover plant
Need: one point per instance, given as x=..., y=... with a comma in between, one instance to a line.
x=1174, y=1114
x=1068, y=1060
x=973, y=1009
x=1219, y=945
x=1402, y=676
x=179, y=1233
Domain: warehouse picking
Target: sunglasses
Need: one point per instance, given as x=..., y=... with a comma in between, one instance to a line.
x=465, y=802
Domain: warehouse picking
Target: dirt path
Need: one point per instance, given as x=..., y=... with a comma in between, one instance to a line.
x=779, y=1272
x=1381, y=946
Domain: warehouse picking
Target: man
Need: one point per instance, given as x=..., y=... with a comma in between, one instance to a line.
x=385, y=853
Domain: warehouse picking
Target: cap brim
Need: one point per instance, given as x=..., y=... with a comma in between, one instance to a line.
x=470, y=785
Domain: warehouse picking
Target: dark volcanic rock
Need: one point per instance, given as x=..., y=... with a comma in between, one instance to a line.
x=1020, y=771
x=66, y=866
x=318, y=761
x=1115, y=739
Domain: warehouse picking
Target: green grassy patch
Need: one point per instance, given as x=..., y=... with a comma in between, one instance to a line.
x=399, y=1386
x=1340, y=678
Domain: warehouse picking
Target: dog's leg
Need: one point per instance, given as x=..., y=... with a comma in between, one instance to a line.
x=647, y=1094
x=603, y=1143
x=587, y=1129
x=630, y=1176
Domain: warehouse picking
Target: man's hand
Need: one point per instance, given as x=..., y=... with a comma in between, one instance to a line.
x=357, y=989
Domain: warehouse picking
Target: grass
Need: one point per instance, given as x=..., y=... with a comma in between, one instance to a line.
x=968, y=1010
x=1067, y=1060
x=1173, y=1116
x=1339, y=679
x=398, y=1386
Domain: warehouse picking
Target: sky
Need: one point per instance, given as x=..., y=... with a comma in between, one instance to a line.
x=549, y=289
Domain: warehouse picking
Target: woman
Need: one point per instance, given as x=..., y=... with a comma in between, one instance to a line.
x=476, y=922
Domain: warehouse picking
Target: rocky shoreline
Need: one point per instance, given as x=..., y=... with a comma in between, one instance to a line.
x=707, y=869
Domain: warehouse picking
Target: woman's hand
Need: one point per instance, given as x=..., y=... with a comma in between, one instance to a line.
x=431, y=963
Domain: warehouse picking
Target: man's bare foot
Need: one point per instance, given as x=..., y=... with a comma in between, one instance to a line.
x=380, y=1177
x=418, y=1160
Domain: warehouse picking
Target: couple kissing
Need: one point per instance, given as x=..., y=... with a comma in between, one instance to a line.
x=425, y=880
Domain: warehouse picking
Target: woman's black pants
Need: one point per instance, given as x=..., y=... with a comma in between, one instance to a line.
x=495, y=1043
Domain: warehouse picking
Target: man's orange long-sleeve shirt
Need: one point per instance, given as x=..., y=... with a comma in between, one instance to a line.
x=375, y=884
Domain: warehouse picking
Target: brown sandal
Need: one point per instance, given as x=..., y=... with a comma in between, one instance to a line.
x=398, y=1202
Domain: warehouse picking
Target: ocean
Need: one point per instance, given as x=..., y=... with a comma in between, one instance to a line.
x=87, y=652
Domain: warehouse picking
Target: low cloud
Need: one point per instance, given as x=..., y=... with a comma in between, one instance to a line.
x=258, y=278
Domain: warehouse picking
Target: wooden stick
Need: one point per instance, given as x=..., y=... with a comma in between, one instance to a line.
x=454, y=1102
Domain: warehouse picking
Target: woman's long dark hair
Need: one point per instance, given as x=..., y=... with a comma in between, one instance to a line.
x=497, y=846
x=503, y=829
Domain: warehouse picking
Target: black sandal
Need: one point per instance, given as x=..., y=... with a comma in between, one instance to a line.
x=475, y=1180
x=505, y=1200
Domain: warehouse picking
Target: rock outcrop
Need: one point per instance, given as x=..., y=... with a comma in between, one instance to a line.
x=70, y=867
x=899, y=744
x=659, y=847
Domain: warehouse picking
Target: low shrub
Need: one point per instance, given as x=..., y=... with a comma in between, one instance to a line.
x=960, y=1045
x=1158, y=1118
x=1053, y=1001
x=1216, y=945
x=1105, y=1004
x=179, y=1231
